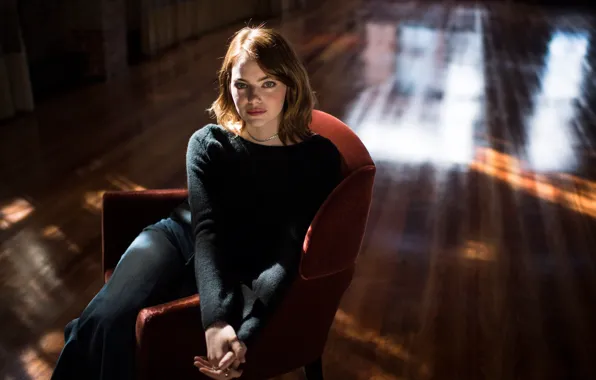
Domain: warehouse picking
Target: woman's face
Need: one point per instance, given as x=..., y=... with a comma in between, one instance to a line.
x=259, y=98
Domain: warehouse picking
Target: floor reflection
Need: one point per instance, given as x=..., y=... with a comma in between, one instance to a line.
x=92, y=200
x=424, y=92
x=574, y=193
x=478, y=251
x=53, y=232
x=552, y=136
x=389, y=347
x=14, y=212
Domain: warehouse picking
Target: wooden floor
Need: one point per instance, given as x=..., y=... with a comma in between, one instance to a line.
x=480, y=257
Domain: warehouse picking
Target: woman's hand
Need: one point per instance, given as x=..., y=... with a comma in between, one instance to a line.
x=224, y=349
x=218, y=374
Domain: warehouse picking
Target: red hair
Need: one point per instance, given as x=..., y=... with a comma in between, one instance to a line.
x=276, y=58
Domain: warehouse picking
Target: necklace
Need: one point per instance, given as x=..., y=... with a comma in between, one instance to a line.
x=259, y=140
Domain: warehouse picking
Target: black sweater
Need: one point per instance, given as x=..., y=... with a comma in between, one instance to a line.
x=250, y=207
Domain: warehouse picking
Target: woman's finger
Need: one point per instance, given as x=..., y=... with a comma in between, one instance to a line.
x=221, y=374
x=202, y=361
x=201, y=367
x=215, y=354
x=227, y=360
x=209, y=372
x=239, y=349
x=205, y=367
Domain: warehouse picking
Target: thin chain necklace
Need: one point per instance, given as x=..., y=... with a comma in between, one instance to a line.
x=259, y=140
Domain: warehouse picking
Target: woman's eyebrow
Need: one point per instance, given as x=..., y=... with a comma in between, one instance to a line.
x=260, y=80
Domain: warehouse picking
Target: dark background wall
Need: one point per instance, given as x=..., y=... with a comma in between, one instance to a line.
x=72, y=42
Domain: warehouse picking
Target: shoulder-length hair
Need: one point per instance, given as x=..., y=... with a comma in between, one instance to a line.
x=278, y=59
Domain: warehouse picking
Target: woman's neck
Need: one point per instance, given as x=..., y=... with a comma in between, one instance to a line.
x=265, y=135
x=249, y=135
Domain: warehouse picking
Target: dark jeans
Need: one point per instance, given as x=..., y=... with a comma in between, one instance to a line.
x=157, y=267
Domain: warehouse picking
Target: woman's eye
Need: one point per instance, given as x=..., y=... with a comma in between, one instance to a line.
x=269, y=84
x=240, y=85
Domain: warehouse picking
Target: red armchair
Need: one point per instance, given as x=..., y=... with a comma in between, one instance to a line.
x=170, y=335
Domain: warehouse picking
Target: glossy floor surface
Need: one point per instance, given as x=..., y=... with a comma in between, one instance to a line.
x=479, y=260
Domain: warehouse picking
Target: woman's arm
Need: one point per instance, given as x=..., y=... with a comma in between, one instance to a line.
x=272, y=284
x=218, y=292
x=269, y=288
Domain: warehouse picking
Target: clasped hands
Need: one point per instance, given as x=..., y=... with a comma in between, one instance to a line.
x=225, y=353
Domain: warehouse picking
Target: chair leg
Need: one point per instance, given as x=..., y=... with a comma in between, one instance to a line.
x=314, y=370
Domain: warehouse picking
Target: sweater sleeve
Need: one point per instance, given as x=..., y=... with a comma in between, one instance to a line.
x=217, y=290
x=272, y=284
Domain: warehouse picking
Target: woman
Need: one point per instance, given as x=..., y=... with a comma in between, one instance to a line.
x=255, y=180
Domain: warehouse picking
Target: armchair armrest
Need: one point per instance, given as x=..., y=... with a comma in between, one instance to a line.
x=125, y=213
x=166, y=314
x=169, y=335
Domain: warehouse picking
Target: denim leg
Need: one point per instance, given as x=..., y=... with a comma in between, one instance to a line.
x=100, y=344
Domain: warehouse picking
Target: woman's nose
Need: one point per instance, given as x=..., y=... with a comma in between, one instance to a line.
x=253, y=93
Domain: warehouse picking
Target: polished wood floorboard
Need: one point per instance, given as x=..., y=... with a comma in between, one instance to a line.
x=479, y=260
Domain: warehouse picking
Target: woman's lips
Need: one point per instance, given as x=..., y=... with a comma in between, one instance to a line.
x=255, y=112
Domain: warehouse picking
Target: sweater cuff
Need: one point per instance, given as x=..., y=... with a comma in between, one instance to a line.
x=222, y=313
x=209, y=319
x=248, y=331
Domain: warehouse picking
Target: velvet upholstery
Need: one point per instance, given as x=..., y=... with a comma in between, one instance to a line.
x=169, y=335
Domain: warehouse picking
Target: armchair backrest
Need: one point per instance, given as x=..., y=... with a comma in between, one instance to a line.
x=355, y=154
x=335, y=236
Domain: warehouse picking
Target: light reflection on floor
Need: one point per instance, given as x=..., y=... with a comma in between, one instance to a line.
x=14, y=212
x=422, y=104
x=510, y=170
x=552, y=140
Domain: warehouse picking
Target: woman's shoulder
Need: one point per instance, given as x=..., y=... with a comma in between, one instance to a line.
x=209, y=137
x=324, y=146
x=326, y=143
x=323, y=154
x=208, y=133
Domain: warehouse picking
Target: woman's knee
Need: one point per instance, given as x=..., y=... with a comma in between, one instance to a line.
x=177, y=234
x=150, y=260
